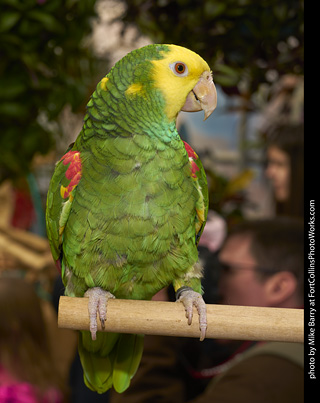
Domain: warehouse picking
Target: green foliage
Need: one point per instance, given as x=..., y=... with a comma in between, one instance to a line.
x=43, y=66
x=242, y=40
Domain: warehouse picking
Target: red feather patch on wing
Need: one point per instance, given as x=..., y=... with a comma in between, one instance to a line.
x=58, y=265
x=73, y=173
x=201, y=207
x=192, y=156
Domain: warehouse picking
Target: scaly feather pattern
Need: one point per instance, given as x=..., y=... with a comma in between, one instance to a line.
x=128, y=201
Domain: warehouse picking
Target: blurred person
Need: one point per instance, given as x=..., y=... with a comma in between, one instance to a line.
x=266, y=257
x=285, y=168
x=262, y=265
x=27, y=369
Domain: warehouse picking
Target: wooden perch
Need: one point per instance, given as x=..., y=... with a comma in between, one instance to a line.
x=168, y=319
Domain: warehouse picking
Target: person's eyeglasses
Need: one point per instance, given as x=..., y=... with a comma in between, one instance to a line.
x=236, y=267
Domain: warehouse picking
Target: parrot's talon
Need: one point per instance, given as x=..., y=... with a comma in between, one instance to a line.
x=97, y=304
x=190, y=298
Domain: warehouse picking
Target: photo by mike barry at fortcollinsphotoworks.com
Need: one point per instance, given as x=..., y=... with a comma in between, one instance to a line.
x=310, y=311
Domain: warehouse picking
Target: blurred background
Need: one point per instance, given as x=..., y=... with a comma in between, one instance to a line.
x=52, y=55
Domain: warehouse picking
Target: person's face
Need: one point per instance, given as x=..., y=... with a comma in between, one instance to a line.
x=239, y=282
x=278, y=171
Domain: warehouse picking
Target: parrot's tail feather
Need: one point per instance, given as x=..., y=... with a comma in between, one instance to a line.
x=111, y=360
x=97, y=368
x=103, y=345
x=127, y=360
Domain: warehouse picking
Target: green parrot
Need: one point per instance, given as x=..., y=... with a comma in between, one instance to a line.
x=128, y=201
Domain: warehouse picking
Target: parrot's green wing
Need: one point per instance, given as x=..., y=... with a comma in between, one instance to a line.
x=199, y=176
x=60, y=196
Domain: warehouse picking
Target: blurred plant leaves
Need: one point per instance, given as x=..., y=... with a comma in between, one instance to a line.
x=242, y=40
x=46, y=20
x=43, y=66
x=8, y=20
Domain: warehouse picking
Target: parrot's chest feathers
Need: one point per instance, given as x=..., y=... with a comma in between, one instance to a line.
x=135, y=218
x=136, y=185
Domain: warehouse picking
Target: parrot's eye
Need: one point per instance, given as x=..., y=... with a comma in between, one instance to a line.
x=179, y=69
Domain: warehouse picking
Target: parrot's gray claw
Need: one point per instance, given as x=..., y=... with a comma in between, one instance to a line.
x=97, y=304
x=191, y=298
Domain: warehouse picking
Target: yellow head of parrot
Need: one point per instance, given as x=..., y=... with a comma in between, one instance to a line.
x=186, y=82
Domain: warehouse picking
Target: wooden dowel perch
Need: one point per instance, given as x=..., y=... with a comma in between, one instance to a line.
x=168, y=319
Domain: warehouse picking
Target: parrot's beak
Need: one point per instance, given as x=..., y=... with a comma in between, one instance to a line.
x=202, y=97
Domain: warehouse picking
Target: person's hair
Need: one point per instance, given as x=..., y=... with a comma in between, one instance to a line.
x=277, y=245
x=289, y=138
x=24, y=346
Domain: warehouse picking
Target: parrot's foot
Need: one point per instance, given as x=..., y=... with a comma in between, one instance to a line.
x=97, y=304
x=190, y=298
